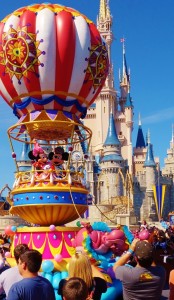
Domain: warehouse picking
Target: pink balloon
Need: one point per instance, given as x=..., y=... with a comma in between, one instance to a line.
x=8, y=230
x=58, y=258
x=117, y=234
x=144, y=235
x=78, y=241
x=52, y=227
x=7, y=254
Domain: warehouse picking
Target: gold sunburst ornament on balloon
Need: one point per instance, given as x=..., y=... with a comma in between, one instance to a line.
x=20, y=52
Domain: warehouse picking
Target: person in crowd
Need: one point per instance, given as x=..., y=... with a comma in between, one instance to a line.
x=3, y=267
x=170, y=233
x=171, y=285
x=146, y=280
x=80, y=266
x=32, y=286
x=75, y=288
x=143, y=225
x=12, y=275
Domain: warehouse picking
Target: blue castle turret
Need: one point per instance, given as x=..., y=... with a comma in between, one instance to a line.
x=149, y=162
x=150, y=178
x=140, y=142
x=128, y=102
x=111, y=147
x=24, y=163
x=111, y=164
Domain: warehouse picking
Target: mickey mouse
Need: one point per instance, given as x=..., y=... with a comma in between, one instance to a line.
x=57, y=159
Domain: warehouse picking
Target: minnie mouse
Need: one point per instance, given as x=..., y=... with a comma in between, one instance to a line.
x=57, y=159
x=39, y=157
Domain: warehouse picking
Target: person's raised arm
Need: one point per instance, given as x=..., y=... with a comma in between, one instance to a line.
x=126, y=256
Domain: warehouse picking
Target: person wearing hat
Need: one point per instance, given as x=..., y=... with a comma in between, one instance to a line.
x=146, y=280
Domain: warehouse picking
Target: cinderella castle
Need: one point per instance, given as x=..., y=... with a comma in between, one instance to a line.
x=123, y=177
x=125, y=182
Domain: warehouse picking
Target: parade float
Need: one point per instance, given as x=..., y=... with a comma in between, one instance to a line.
x=53, y=64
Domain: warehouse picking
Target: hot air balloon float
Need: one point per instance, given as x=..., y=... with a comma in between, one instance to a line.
x=53, y=64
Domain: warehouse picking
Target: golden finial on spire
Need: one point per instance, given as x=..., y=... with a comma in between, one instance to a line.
x=103, y=9
x=108, y=9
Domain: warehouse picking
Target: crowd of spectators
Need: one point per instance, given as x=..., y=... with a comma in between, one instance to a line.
x=143, y=271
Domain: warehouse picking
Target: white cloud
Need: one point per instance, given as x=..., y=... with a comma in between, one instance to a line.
x=159, y=116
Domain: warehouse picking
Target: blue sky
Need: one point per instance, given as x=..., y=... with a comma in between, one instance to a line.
x=148, y=27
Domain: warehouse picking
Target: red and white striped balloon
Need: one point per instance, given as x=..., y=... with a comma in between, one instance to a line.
x=51, y=57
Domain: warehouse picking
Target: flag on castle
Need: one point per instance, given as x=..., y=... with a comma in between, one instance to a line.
x=159, y=197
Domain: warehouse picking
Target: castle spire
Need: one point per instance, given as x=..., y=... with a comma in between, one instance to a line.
x=169, y=160
x=140, y=143
x=124, y=80
x=128, y=102
x=148, y=137
x=172, y=140
x=112, y=147
x=25, y=150
x=104, y=24
x=149, y=162
x=125, y=72
x=112, y=138
x=24, y=162
x=111, y=165
x=104, y=11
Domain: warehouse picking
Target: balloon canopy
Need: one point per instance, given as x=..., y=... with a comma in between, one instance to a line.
x=52, y=57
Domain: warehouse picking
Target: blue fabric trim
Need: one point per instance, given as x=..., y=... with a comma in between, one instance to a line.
x=45, y=101
x=48, y=197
